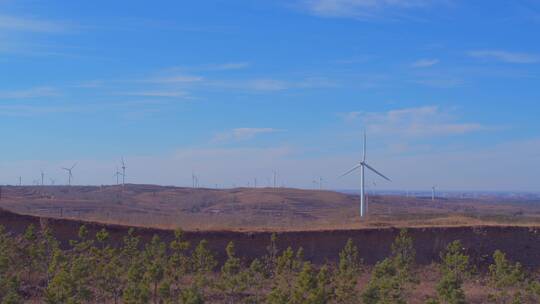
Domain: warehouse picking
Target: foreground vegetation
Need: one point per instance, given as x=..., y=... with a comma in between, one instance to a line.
x=33, y=268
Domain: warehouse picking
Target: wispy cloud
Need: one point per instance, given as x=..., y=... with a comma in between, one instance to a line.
x=505, y=56
x=35, y=92
x=361, y=9
x=157, y=93
x=227, y=66
x=424, y=63
x=441, y=82
x=176, y=79
x=414, y=122
x=242, y=134
x=271, y=84
x=28, y=110
x=13, y=23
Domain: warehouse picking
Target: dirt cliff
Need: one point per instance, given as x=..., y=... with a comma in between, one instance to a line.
x=521, y=244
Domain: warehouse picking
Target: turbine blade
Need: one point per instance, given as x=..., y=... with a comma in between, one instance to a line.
x=364, y=157
x=75, y=164
x=377, y=172
x=351, y=170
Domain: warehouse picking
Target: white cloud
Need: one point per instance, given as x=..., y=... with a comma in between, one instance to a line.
x=27, y=110
x=425, y=63
x=414, y=122
x=157, y=93
x=13, y=23
x=269, y=84
x=35, y=92
x=263, y=84
x=436, y=81
x=241, y=134
x=176, y=79
x=363, y=9
x=227, y=66
x=504, y=56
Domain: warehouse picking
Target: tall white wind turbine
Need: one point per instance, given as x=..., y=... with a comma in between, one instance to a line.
x=362, y=166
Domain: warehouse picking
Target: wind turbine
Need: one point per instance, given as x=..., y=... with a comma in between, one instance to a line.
x=123, y=172
x=42, y=178
x=117, y=174
x=433, y=193
x=318, y=183
x=363, y=165
x=70, y=173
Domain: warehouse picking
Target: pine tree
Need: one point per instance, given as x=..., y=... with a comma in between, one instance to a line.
x=404, y=256
x=385, y=285
x=304, y=287
x=108, y=272
x=270, y=259
x=136, y=291
x=346, y=277
x=506, y=278
x=455, y=269
x=287, y=267
x=71, y=280
x=192, y=295
x=10, y=290
x=155, y=260
x=178, y=263
x=31, y=252
x=256, y=279
x=203, y=263
x=323, y=291
x=9, y=279
x=390, y=277
x=233, y=279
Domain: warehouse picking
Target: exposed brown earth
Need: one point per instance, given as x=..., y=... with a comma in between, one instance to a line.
x=248, y=209
x=319, y=221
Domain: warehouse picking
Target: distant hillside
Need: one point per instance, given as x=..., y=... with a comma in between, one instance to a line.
x=255, y=209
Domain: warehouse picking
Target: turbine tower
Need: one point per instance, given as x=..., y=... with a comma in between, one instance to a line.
x=123, y=172
x=117, y=174
x=70, y=173
x=42, y=178
x=363, y=165
x=433, y=193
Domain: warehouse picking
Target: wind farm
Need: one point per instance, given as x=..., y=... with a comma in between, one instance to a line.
x=276, y=152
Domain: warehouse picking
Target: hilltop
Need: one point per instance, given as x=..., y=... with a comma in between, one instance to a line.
x=257, y=209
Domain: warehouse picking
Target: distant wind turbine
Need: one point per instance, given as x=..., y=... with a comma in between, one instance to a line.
x=117, y=174
x=363, y=165
x=70, y=173
x=433, y=193
x=42, y=178
x=123, y=172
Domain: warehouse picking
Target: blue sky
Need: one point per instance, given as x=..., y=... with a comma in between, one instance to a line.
x=447, y=90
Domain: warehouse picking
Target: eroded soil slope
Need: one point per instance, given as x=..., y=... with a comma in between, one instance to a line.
x=520, y=243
